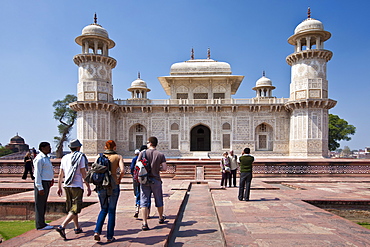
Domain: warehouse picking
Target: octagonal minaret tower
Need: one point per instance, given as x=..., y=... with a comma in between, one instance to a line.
x=95, y=107
x=309, y=102
x=95, y=66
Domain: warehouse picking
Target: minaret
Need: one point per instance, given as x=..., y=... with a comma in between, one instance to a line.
x=95, y=107
x=309, y=102
x=95, y=66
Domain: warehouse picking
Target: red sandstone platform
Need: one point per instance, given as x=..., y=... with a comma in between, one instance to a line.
x=277, y=215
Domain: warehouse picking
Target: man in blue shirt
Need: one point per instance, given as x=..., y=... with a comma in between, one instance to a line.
x=44, y=179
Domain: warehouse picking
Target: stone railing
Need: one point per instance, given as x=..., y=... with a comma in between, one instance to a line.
x=16, y=167
x=262, y=167
x=202, y=101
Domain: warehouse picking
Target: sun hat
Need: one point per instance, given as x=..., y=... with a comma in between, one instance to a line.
x=75, y=144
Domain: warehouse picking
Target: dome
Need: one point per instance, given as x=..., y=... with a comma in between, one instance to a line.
x=263, y=81
x=96, y=30
x=309, y=24
x=201, y=67
x=138, y=83
x=17, y=139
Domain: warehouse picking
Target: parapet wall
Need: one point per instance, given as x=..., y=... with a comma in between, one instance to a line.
x=262, y=167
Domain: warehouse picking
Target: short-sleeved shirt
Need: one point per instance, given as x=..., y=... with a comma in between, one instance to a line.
x=66, y=165
x=155, y=158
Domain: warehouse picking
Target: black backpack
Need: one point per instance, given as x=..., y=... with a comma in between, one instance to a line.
x=97, y=178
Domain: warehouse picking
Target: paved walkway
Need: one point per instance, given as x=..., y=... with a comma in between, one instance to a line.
x=197, y=222
x=277, y=215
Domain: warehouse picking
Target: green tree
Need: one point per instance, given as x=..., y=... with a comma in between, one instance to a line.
x=346, y=151
x=5, y=151
x=339, y=130
x=66, y=117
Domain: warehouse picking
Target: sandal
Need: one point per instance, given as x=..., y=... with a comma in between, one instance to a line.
x=62, y=231
x=145, y=227
x=78, y=230
x=161, y=221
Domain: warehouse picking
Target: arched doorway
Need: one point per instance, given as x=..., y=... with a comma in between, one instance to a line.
x=137, y=136
x=264, y=137
x=200, y=138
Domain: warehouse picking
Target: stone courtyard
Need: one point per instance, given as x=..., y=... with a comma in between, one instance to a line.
x=280, y=213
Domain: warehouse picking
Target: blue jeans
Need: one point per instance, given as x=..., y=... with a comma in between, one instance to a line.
x=136, y=186
x=108, y=206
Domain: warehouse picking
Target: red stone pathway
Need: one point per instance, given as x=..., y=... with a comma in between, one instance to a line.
x=275, y=216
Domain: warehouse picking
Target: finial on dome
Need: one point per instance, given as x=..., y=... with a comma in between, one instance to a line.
x=309, y=13
x=138, y=75
x=263, y=73
x=192, y=54
x=209, y=53
x=95, y=19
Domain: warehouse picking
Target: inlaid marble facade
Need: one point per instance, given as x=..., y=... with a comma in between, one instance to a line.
x=201, y=118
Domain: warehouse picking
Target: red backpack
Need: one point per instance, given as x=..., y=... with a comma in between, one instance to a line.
x=142, y=170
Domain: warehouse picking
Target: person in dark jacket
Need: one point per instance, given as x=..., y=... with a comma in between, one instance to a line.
x=246, y=165
x=28, y=166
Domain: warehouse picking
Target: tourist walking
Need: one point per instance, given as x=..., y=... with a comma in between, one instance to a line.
x=246, y=165
x=157, y=163
x=28, y=166
x=73, y=170
x=233, y=167
x=108, y=196
x=44, y=179
x=225, y=170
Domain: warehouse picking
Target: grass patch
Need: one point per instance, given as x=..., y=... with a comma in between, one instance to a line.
x=364, y=224
x=11, y=229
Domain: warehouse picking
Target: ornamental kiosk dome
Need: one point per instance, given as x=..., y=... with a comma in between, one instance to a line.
x=309, y=24
x=97, y=32
x=263, y=87
x=138, y=89
x=95, y=29
x=138, y=83
x=263, y=81
x=311, y=29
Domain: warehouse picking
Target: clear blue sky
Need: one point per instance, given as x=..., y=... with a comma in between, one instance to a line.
x=37, y=47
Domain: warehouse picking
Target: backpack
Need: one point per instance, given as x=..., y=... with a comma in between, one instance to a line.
x=142, y=170
x=97, y=178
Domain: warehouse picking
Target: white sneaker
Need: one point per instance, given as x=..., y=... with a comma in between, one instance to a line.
x=48, y=227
